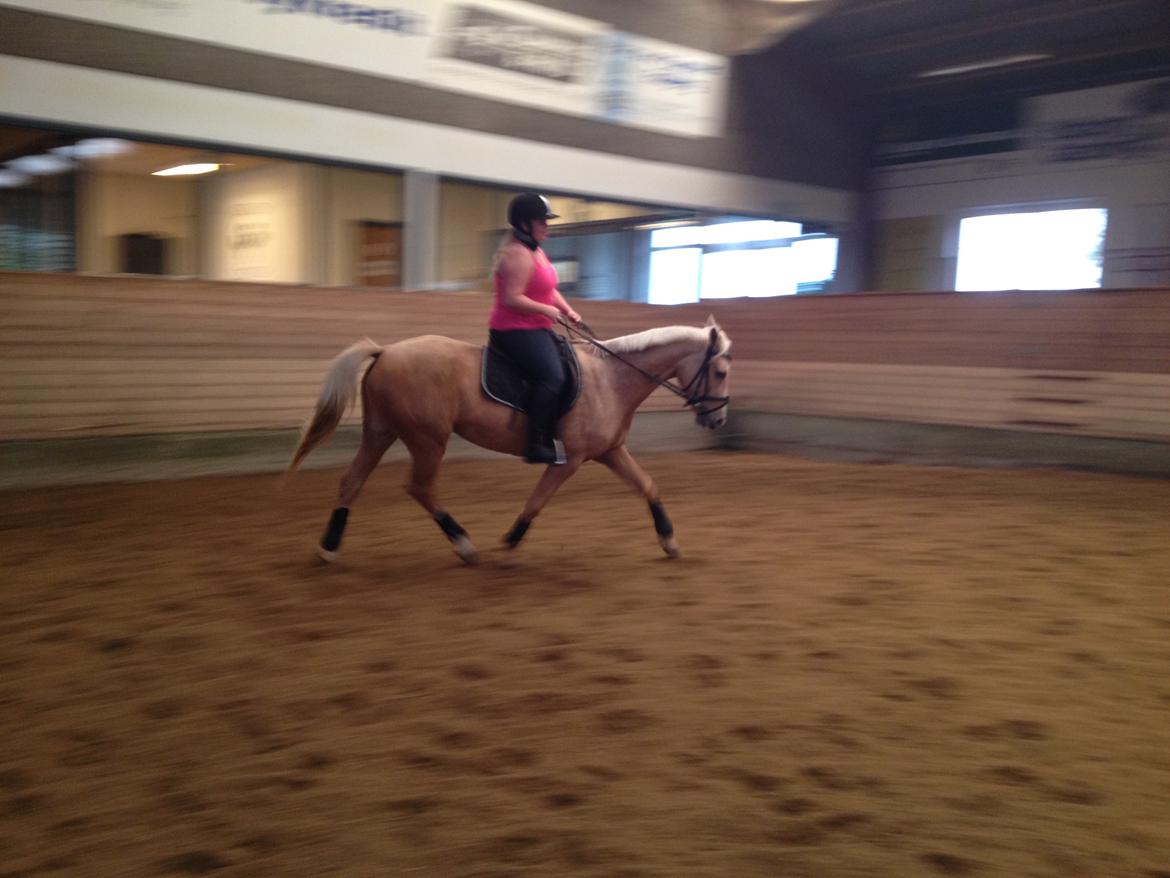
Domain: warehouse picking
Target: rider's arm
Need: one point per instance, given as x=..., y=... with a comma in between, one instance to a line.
x=565, y=307
x=516, y=270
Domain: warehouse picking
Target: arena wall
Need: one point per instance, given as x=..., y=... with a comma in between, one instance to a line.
x=89, y=358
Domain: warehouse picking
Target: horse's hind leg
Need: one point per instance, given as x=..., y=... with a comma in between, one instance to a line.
x=623, y=464
x=373, y=446
x=425, y=457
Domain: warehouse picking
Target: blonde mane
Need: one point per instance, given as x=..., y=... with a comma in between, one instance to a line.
x=662, y=335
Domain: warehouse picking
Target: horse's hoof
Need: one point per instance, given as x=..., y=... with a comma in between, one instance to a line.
x=513, y=537
x=670, y=547
x=325, y=556
x=465, y=550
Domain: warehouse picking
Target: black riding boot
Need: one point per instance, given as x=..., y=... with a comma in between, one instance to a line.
x=543, y=446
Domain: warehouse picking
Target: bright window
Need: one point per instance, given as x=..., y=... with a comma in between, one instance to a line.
x=724, y=260
x=723, y=233
x=674, y=276
x=1038, y=250
x=728, y=274
x=814, y=260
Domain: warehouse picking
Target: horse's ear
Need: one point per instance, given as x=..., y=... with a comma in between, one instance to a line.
x=710, y=321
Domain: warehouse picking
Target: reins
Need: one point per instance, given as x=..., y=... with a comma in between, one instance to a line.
x=684, y=393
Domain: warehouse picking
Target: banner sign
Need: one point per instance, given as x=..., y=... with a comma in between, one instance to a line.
x=1113, y=123
x=513, y=52
x=652, y=84
x=502, y=50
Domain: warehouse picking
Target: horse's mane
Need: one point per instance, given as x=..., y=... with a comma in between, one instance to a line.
x=652, y=338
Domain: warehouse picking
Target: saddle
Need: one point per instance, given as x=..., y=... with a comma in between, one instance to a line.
x=503, y=381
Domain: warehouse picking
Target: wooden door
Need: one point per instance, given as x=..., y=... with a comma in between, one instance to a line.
x=379, y=257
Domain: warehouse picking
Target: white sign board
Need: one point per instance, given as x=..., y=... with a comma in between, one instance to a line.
x=1129, y=122
x=503, y=50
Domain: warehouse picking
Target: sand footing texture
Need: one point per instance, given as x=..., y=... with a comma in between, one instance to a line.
x=852, y=671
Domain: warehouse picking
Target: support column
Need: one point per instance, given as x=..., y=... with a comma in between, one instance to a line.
x=316, y=225
x=420, y=232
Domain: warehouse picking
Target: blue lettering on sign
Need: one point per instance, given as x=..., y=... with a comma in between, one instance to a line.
x=401, y=21
x=666, y=71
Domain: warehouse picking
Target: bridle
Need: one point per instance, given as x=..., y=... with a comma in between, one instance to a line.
x=693, y=394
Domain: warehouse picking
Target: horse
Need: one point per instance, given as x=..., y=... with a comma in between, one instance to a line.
x=423, y=389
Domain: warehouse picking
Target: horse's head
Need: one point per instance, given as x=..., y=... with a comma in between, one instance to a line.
x=708, y=390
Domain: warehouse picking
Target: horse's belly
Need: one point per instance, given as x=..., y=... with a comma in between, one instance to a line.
x=493, y=426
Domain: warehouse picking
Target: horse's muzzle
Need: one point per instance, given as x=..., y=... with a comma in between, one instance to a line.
x=711, y=420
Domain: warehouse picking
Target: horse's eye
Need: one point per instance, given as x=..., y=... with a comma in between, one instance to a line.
x=720, y=374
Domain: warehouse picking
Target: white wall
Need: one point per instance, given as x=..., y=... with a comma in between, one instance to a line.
x=1088, y=148
x=255, y=225
x=117, y=204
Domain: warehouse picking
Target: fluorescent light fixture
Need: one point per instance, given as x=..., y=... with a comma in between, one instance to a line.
x=665, y=224
x=94, y=148
x=1005, y=61
x=40, y=164
x=11, y=179
x=187, y=170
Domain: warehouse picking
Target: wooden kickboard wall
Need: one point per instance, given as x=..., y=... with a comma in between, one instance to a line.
x=92, y=356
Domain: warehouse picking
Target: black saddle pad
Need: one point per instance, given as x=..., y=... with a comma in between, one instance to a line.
x=503, y=381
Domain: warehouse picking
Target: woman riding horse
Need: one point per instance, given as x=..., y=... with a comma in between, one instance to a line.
x=526, y=304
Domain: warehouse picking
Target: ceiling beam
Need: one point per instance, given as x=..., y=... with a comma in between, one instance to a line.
x=998, y=85
x=967, y=30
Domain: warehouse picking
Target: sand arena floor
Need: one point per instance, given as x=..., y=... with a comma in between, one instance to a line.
x=854, y=671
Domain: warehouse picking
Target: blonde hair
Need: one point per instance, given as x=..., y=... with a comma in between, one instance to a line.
x=507, y=238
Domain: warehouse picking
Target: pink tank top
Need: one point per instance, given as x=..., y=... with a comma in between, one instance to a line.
x=540, y=288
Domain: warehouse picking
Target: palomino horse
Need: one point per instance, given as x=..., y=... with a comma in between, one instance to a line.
x=423, y=389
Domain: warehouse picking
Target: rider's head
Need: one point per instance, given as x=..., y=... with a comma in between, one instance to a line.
x=527, y=207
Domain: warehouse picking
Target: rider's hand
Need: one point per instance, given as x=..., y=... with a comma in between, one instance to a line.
x=573, y=315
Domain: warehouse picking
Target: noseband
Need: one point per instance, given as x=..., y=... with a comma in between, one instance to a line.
x=701, y=382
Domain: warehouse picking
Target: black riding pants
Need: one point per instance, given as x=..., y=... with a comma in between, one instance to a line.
x=535, y=350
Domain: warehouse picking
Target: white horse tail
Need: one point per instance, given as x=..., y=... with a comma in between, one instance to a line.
x=336, y=397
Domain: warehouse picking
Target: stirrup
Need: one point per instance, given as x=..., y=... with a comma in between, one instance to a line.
x=554, y=456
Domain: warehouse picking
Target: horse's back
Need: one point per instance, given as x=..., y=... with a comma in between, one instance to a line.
x=430, y=346
x=425, y=378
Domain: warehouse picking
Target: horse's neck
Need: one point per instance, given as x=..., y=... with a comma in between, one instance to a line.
x=661, y=361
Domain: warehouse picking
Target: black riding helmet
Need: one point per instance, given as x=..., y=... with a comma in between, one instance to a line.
x=525, y=208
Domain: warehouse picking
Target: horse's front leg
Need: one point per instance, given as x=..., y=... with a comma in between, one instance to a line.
x=550, y=481
x=622, y=462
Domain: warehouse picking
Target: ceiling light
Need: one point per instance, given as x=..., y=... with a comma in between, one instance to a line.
x=95, y=147
x=40, y=164
x=983, y=65
x=665, y=224
x=187, y=170
x=11, y=179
